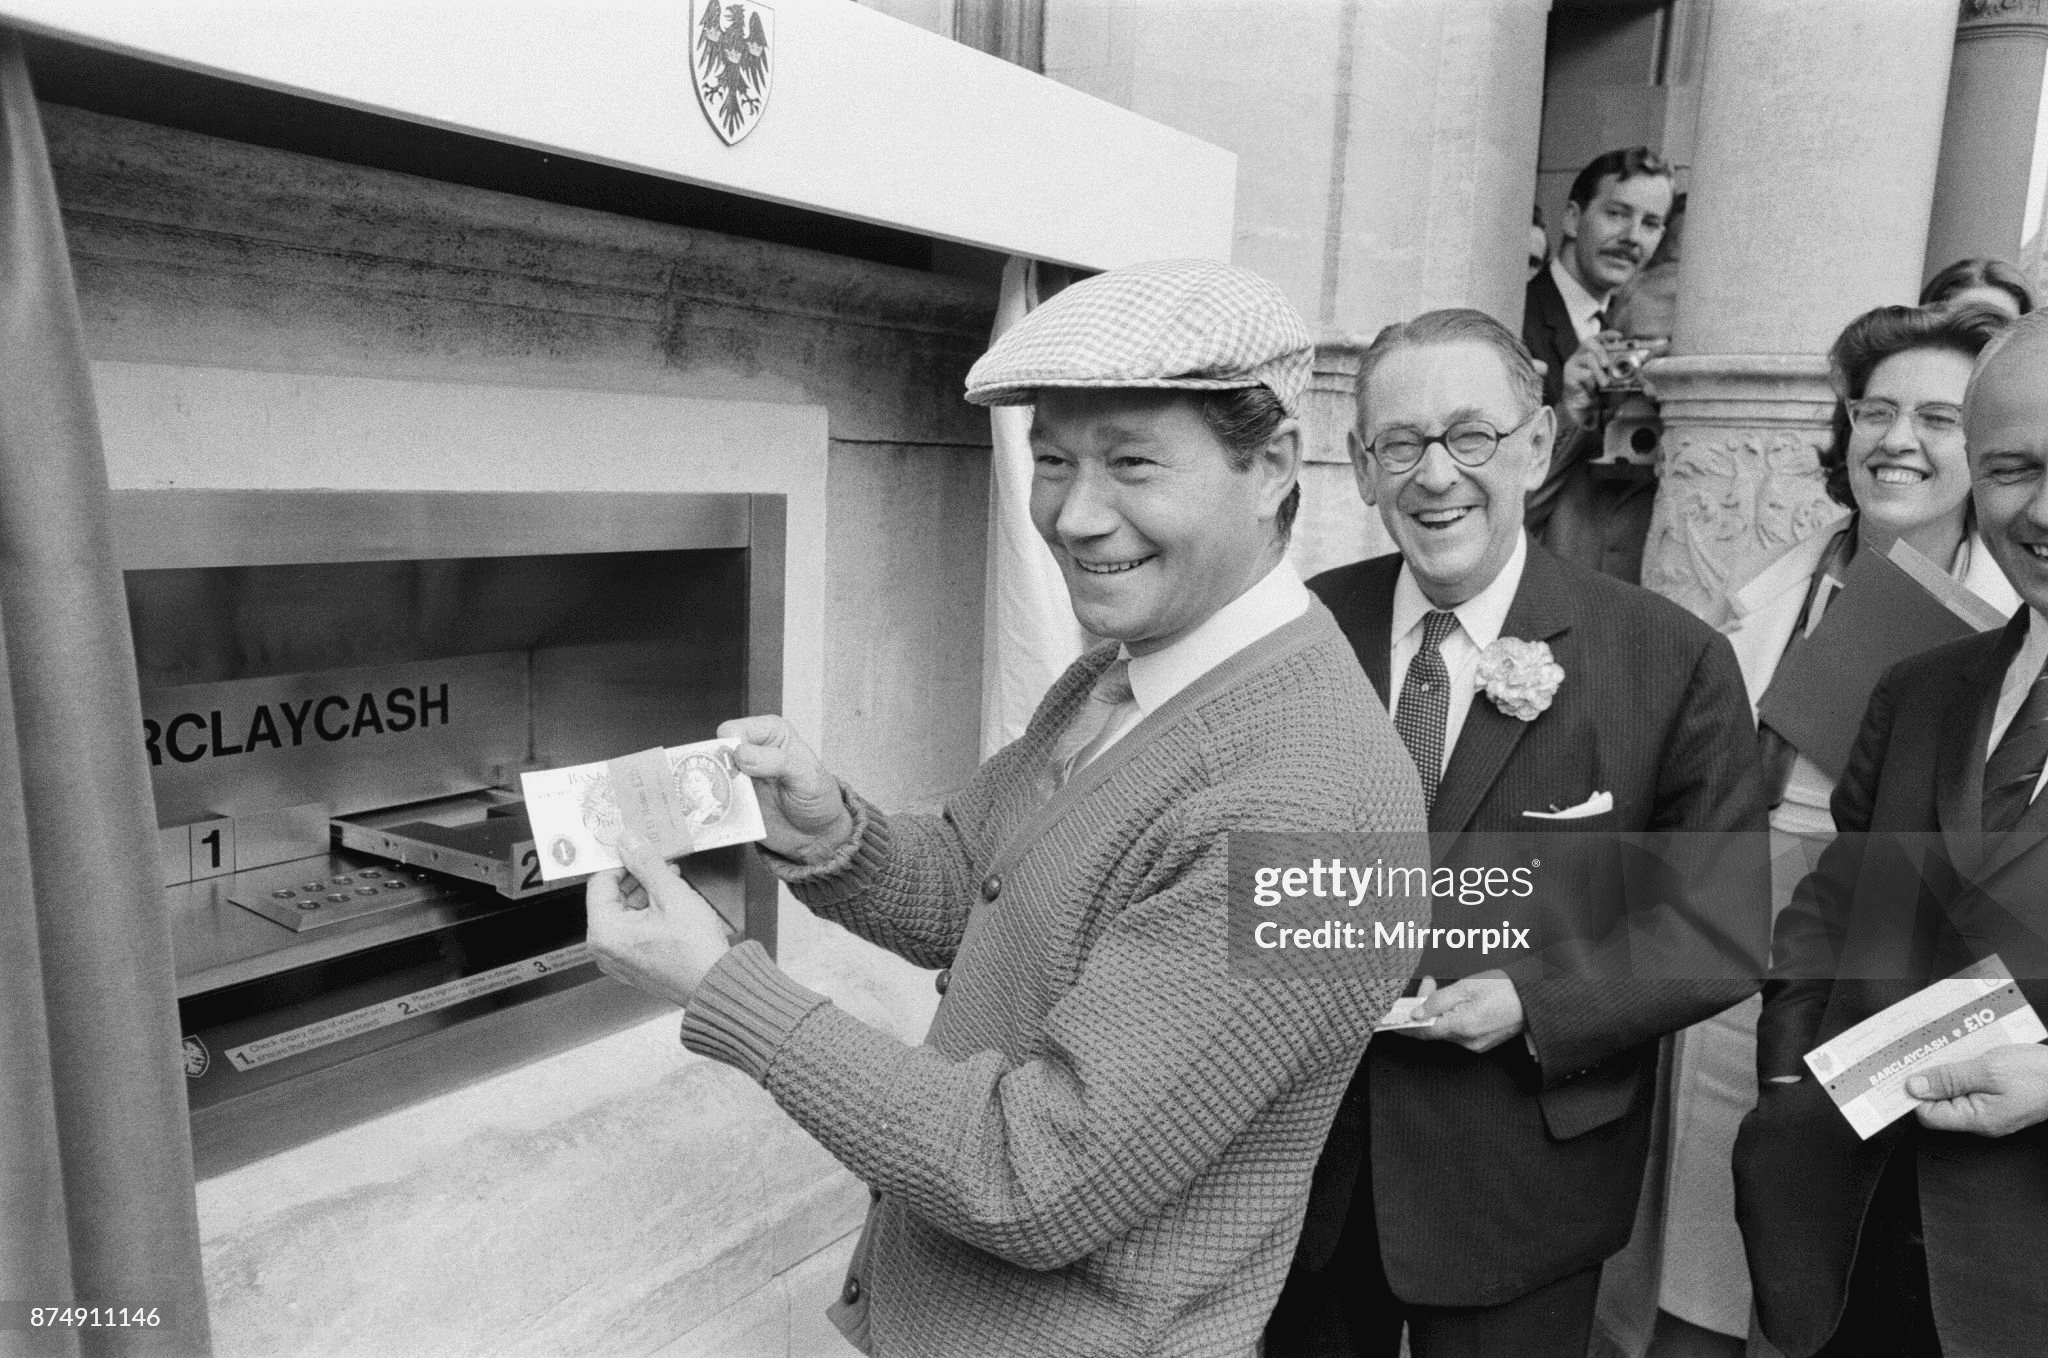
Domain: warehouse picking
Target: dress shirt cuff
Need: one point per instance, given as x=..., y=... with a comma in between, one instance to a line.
x=745, y=1010
x=852, y=865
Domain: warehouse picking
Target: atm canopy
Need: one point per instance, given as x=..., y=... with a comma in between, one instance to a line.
x=866, y=117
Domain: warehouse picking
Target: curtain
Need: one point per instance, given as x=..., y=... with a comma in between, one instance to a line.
x=96, y=1198
x=1028, y=630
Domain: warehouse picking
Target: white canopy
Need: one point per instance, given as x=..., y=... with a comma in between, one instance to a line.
x=867, y=118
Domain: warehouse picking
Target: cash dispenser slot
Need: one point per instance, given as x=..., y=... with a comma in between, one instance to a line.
x=339, y=691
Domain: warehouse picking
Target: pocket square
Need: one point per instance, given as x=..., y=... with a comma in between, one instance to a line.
x=1597, y=804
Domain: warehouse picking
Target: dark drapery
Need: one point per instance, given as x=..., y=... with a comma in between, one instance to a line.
x=96, y=1200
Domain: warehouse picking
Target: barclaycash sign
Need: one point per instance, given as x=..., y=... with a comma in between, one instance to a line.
x=191, y=736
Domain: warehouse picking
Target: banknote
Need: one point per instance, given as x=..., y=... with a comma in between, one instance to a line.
x=685, y=797
x=1403, y=1017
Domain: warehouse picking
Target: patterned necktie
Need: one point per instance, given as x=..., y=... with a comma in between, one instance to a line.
x=1112, y=690
x=1424, y=707
x=2015, y=766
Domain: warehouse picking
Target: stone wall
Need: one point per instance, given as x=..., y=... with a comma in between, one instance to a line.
x=624, y=1196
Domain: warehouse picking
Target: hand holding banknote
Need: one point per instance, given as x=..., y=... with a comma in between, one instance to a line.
x=649, y=927
x=1995, y=1094
x=801, y=802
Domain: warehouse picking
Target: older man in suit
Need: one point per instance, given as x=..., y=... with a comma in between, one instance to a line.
x=1927, y=1239
x=1483, y=1167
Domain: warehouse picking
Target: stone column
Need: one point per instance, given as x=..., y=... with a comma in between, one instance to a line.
x=1334, y=526
x=1819, y=128
x=1987, y=140
x=1386, y=165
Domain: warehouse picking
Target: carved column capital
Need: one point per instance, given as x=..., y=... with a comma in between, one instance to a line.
x=1740, y=479
x=1980, y=19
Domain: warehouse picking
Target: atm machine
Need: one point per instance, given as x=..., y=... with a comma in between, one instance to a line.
x=339, y=691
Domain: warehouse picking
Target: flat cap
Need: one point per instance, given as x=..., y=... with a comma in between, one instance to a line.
x=1192, y=324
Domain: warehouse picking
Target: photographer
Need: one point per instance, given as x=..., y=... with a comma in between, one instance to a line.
x=1594, y=506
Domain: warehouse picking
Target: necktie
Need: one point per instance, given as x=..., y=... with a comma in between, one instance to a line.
x=2015, y=766
x=1425, y=703
x=1599, y=319
x=1112, y=690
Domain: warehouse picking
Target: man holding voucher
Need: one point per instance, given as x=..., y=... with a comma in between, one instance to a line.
x=1104, y=1145
x=1593, y=734
x=1923, y=1235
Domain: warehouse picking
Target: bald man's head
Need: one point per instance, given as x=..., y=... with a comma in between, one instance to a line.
x=2005, y=419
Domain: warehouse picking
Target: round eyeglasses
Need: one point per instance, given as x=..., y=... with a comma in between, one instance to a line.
x=1936, y=419
x=1471, y=443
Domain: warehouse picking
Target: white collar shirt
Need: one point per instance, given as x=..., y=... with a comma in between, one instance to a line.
x=1276, y=600
x=1583, y=307
x=1480, y=619
x=2019, y=677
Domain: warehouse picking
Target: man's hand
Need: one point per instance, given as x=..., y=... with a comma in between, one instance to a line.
x=1584, y=372
x=649, y=928
x=1995, y=1094
x=801, y=804
x=1478, y=1013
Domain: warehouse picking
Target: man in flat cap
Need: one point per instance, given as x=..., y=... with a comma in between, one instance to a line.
x=1104, y=1144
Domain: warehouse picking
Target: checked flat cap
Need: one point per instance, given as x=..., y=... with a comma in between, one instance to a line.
x=1191, y=324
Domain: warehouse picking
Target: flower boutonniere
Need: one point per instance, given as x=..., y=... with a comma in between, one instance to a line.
x=1520, y=676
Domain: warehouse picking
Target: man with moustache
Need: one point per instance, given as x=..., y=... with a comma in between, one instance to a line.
x=1613, y=223
x=1482, y=1168
x=1926, y=1239
x=1104, y=1143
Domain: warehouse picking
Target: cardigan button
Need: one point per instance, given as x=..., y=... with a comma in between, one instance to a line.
x=942, y=980
x=991, y=887
x=850, y=1294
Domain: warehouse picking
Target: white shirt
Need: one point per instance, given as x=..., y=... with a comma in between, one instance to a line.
x=1276, y=600
x=2019, y=677
x=1582, y=306
x=1480, y=619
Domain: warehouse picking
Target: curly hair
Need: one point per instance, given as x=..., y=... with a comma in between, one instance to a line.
x=1885, y=332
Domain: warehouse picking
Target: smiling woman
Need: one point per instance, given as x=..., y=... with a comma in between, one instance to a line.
x=1897, y=461
x=1897, y=455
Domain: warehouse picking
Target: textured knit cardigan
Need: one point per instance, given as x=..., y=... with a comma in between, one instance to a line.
x=1105, y=1142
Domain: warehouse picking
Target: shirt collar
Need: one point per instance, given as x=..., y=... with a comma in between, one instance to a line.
x=1481, y=616
x=1579, y=303
x=1277, y=599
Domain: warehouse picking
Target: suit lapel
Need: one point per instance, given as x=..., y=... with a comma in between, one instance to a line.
x=1557, y=318
x=1542, y=609
x=1959, y=761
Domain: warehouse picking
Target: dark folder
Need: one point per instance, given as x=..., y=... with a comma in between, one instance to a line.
x=1885, y=610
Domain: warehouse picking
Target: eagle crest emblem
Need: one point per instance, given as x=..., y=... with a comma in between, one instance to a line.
x=732, y=65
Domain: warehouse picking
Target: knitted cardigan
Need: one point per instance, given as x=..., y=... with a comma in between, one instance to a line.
x=1105, y=1142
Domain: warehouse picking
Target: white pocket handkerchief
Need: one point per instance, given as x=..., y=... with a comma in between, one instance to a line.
x=1598, y=804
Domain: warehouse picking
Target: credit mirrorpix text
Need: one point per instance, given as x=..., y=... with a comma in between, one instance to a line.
x=1298, y=903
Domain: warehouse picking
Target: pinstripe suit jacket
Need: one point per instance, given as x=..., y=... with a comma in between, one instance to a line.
x=1492, y=1174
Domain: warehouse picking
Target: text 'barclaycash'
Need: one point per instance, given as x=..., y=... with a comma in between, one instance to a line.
x=192, y=736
